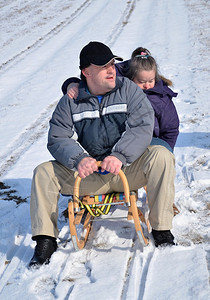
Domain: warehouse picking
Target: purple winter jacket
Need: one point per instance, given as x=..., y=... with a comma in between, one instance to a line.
x=166, y=125
x=166, y=118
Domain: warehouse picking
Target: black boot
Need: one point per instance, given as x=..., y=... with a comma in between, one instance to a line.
x=45, y=247
x=163, y=237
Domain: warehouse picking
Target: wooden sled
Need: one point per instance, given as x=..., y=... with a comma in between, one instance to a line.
x=83, y=210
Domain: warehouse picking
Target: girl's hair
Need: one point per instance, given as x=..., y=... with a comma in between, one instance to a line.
x=142, y=60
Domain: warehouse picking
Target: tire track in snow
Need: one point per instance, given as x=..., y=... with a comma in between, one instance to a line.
x=137, y=272
x=118, y=28
x=55, y=30
x=26, y=139
x=38, y=43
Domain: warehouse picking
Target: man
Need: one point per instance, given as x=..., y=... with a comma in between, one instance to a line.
x=111, y=120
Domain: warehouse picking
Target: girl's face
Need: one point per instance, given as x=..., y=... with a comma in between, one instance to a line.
x=145, y=79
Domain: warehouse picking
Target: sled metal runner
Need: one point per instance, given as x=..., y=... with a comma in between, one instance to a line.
x=83, y=210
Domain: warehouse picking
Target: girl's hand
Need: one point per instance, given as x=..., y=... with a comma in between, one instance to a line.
x=72, y=90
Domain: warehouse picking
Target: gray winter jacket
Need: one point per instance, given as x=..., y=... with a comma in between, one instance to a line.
x=121, y=125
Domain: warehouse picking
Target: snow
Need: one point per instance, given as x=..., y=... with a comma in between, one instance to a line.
x=40, y=42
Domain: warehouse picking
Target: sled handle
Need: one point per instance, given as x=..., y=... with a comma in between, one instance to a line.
x=122, y=177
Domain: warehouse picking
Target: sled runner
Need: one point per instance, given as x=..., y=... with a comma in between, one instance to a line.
x=83, y=210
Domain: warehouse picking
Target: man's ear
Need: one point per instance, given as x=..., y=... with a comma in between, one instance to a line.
x=86, y=72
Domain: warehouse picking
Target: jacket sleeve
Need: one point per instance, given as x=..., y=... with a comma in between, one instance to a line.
x=169, y=124
x=62, y=137
x=139, y=125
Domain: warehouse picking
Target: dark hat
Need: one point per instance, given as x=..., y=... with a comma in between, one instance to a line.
x=96, y=53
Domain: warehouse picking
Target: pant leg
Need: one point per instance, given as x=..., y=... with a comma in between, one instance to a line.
x=160, y=174
x=49, y=180
x=156, y=169
x=44, y=201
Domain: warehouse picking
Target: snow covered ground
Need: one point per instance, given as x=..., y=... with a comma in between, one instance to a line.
x=40, y=42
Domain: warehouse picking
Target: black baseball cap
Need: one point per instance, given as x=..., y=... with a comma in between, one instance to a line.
x=96, y=53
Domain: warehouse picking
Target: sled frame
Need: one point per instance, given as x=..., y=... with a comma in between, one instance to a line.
x=80, y=219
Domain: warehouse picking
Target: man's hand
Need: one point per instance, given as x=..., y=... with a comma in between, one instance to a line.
x=72, y=90
x=87, y=166
x=111, y=164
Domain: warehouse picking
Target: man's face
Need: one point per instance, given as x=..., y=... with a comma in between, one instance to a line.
x=100, y=79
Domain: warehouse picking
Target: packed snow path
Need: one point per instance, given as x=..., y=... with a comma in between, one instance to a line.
x=40, y=43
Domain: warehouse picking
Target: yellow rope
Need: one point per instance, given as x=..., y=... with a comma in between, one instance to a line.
x=98, y=211
x=90, y=210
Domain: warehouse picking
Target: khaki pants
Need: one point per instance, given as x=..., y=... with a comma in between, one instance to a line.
x=155, y=168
